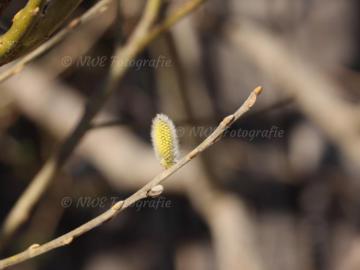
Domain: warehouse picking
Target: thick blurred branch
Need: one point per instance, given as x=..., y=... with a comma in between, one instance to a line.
x=32, y=92
x=317, y=95
x=32, y=25
x=20, y=212
x=142, y=36
x=19, y=65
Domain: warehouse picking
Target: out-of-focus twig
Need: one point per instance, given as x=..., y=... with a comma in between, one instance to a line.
x=34, y=90
x=143, y=35
x=229, y=221
x=144, y=192
x=19, y=65
x=32, y=25
x=84, y=38
x=19, y=213
x=317, y=95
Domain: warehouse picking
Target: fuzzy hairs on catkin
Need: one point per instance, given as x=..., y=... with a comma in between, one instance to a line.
x=165, y=141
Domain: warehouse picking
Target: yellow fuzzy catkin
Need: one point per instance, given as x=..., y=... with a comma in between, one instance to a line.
x=164, y=140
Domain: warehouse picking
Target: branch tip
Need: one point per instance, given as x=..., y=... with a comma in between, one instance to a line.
x=258, y=90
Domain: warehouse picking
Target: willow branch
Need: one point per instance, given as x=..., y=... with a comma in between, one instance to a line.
x=32, y=25
x=142, y=36
x=19, y=65
x=22, y=208
x=90, y=14
x=145, y=192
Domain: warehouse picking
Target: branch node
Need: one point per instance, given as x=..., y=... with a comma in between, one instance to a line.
x=74, y=23
x=257, y=91
x=117, y=206
x=34, y=246
x=193, y=154
x=68, y=240
x=227, y=121
x=155, y=191
x=103, y=9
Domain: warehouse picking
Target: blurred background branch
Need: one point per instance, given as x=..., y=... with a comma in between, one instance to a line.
x=280, y=190
x=41, y=181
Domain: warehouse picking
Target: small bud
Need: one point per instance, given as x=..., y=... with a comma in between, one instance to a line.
x=258, y=90
x=117, y=206
x=155, y=191
x=68, y=240
x=34, y=246
x=165, y=141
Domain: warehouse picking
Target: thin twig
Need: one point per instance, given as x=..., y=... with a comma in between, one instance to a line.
x=226, y=215
x=36, y=249
x=142, y=36
x=90, y=14
x=22, y=208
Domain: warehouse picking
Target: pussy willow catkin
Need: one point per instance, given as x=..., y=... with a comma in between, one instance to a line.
x=165, y=140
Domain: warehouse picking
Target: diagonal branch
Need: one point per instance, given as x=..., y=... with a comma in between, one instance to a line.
x=32, y=25
x=142, y=36
x=22, y=208
x=146, y=191
x=20, y=64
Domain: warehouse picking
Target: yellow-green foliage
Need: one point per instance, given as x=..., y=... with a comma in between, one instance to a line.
x=33, y=25
x=165, y=141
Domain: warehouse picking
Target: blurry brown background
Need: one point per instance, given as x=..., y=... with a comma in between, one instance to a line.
x=286, y=200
